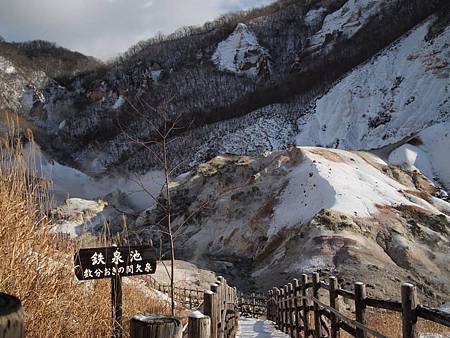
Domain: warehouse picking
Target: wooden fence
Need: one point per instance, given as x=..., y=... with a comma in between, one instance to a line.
x=187, y=297
x=299, y=311
x=253, y=305
x=220, y=304
x=219, y=318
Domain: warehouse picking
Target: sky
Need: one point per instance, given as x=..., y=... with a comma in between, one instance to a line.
x=105, y=28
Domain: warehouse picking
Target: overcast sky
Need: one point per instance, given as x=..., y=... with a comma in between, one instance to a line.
x=104, y=28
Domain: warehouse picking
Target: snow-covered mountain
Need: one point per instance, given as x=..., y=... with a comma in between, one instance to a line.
x=396, y=94
x=284, y=213
x=241, y=53
x=356, y=90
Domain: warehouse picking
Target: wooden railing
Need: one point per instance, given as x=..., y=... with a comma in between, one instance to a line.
x=298, y=310
x=216, y=314
x=186, y=297
x=253, y=305
x=220, y=305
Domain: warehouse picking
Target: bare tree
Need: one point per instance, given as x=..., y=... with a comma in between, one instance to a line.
x=158, y=145
x=162, y=134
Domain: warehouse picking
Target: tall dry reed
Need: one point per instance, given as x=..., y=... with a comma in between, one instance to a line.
x=37, y=267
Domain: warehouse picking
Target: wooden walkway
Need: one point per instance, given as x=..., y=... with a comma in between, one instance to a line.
x=258, y=328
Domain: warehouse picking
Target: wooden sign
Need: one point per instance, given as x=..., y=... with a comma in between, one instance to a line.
x=115, y=262
x=96, y=263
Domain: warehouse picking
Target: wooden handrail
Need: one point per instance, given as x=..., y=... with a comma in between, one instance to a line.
x=299, y=299
x=434, y=315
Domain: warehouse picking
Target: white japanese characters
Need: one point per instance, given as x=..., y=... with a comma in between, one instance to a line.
x=115, y=261
x=97, y=259
x=135, y=256
x=117, y=257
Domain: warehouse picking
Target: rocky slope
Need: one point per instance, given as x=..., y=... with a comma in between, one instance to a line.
x=283, y=213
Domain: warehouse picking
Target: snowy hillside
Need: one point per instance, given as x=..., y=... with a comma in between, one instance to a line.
x=395, y=95
x=346, y=21
x=241, y=53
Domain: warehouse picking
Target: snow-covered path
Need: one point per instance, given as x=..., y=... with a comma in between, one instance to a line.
x=258, y=328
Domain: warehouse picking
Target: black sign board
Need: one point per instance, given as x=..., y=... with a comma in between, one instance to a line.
x=115, y=262
x=96, y=263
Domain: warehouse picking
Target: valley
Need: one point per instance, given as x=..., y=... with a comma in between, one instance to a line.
x=307, y=135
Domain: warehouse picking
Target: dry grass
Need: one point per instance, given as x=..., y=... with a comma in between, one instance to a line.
x=39, y=270
x=389, y=323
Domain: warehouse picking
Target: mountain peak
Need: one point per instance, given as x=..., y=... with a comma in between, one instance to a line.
x=242, y=54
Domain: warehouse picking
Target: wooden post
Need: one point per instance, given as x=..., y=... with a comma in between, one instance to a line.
x=211, y=308
x=155, y=326
x=286, y=309
x=316, y=287
x=116, y=301
x=199, y=325
x=360, y=308
x=335, y=333
x=296, y=294
x=220, y=307
x=282, y=311
x=305, y=305
x=278, y=307
x=274, y=305
x=271, y=295
x=11, y=317
x=409, y=315
x=291, y=309
x=253, y=303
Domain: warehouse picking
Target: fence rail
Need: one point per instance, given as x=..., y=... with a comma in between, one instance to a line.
x=253, y=305
x=219, y=306
x=187, y=297
x=298, y=309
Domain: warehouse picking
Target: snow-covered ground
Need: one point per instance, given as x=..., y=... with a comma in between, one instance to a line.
x=69, y=182
x=430, y=156
x=258, y=328
x=241, y=53
x=79, y=199
x=396, y=94
x=348, y=20
x=77, y=216
x=338, y=180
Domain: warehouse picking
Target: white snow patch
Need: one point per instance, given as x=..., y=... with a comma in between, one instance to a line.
x=314, y=17
x=6, y=66
x=119, y=102
x=156, y=75
x=399, y=92
x=436, y=143
x=347, y=20
x=62, y=124
x=196, y=315
x=350, y=185
x=258, y=328
x=412, y=158
x=10, y=70
x=69, y=182
x=445, y=307
x=241, y=53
